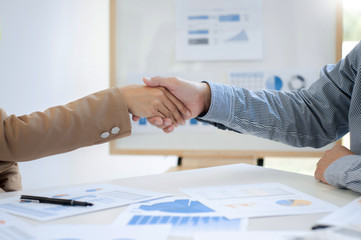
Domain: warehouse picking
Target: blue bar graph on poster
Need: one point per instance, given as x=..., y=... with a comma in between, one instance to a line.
x=191, y=32
x=229, y=18
x=198, y=17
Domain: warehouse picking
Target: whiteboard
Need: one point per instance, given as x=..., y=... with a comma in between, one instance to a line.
x=299, y=36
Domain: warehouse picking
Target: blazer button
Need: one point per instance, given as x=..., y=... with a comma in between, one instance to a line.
x=104, y=135
x=115, y=130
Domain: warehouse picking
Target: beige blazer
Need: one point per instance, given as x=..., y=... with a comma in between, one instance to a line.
x=94, y=119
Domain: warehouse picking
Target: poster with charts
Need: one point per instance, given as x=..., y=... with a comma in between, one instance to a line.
x=277, y=79
x=209, y=30
x=257, y=200
x=186, y=217
x=103, y=196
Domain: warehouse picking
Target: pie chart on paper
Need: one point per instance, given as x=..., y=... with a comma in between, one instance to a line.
x=274, y=83
x=294, y=202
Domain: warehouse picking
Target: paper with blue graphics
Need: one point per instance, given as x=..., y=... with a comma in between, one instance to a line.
x=185, y=215
x=13, y=228
x=257, y=200
x=257, y=235
x=99, y=232
x=212, y=30
x=103, y=196
x=338, y=233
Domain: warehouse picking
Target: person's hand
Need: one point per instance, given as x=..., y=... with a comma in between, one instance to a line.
x=329, y=157
x=146, y=101
x=196, y=97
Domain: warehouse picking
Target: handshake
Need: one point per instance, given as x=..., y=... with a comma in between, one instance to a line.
x=167, y=102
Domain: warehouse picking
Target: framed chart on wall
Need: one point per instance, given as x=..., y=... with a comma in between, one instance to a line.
x=256, y=44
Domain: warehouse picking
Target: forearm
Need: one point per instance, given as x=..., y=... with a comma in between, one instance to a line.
x=312, y=117
x=279, y=116
x=64, y=128
x=308, y=117
x=345, y=173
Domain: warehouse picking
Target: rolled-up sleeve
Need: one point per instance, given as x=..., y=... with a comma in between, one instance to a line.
x=312, y=117
x=345, y=173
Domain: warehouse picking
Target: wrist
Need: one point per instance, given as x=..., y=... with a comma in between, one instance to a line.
x=206, y=96
x=126, y=93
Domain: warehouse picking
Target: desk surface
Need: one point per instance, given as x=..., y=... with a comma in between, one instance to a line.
x=223, y=175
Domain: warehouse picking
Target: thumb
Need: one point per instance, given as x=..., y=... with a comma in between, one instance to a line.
x=157, y=82
x=151, y=82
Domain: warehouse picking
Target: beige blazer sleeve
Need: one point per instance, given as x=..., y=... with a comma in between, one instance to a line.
x=94, y=119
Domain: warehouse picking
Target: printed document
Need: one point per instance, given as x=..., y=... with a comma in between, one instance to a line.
x=103, y=196
x=257, y=200
x=186, y=216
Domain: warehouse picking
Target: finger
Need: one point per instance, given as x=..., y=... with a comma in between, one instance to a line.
x=135, y=118
x=157, y=121
x=167, y=126
x=168, y=129
x=317, y=177
x=171, y=103
x=165, y=112
x=160, y=81
x=167, y=122
x=173, y=111
x=154, y=122
x=183, y=111
x=152, y=82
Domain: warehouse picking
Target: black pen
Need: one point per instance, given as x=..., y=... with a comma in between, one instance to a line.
x=67, y=202
x=320, y=226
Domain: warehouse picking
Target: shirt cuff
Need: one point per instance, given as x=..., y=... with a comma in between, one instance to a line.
x=222, y=101
x=336, y=173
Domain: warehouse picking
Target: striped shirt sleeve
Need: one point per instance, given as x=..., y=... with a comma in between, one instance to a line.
x=345, y=173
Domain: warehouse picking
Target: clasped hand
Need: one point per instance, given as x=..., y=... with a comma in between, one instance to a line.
x=167, y=102
x=144, y=101
x=195, y=96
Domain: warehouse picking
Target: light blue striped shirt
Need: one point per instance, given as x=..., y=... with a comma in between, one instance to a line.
x=315, y=117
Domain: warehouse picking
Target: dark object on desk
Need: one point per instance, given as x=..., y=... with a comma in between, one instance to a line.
x=320, y=226
x=67, y=202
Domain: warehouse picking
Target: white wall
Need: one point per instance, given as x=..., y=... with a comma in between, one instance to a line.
x=53, y=52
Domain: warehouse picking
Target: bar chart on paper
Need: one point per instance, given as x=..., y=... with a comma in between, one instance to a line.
x=188, y=223
x=186, y=216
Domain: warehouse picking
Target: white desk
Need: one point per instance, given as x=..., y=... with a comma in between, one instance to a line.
x=223, y=175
